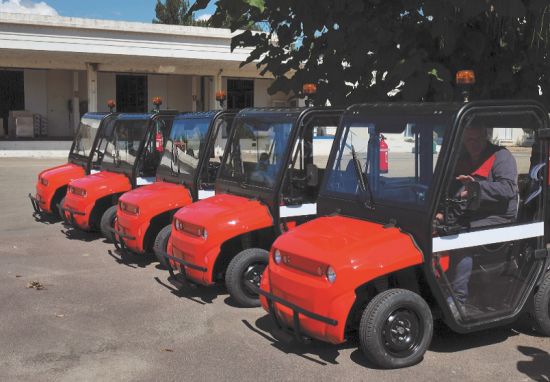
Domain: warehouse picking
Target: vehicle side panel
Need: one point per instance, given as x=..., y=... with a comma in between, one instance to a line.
x=57, y=177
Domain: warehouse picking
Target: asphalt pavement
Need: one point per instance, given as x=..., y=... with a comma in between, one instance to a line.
x=100, y=317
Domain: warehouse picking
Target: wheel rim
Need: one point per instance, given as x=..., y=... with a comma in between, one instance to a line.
x=402, y=332
x=253, y=273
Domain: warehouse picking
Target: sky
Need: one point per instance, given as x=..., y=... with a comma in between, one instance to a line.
x=122, y=10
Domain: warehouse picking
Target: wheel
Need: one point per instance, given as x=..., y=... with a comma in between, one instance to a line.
x=61, y=212
x=108, y=218
x=396, y=329
x=541, y=308
x=248, y=265
x=161, y=242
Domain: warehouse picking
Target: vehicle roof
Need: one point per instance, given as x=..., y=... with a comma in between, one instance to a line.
x=144, y=116
x=427, y=108
x=202, y=114
x=95, y=115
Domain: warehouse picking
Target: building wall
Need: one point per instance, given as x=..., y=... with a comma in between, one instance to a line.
x=106, y=90
x=36, y=95
x=179, y=90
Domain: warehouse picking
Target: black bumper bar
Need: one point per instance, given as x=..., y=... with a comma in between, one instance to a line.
x=72, y=214
x=121, y=236
x=296, y=310
x=178, y=280
x=36, y=203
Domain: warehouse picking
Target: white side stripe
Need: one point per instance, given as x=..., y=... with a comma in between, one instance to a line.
x=142, y=181
x=489, y=236
x=298, y=210
x=203, y=194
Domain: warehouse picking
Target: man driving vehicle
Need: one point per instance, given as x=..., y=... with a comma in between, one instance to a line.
x=495, y=169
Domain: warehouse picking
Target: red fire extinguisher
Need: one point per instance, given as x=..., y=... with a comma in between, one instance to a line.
x=159, y=142
x=383, y=155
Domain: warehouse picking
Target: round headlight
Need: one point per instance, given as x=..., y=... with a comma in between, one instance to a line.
x=205, y=234
x=331, y=274
x=277, y=257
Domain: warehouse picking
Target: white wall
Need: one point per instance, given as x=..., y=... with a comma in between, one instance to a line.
x=106, y=90
x=179, y=93
x=35, y=87
x=261, y=98
x=59, y=91
x=157, y=87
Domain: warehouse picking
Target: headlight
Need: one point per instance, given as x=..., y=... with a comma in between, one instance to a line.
x=331, y=274
x=43, y=181
x=130, y=208
x=77, y=191
x=277, y=257
x=179, y=225
x=205, y=234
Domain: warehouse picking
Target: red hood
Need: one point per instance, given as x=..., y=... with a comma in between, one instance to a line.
x=351, y=245
x=226, y=212
x=103, y=183
x=158, y=195
x=63, y=174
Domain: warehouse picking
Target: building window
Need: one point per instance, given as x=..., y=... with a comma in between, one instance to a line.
x=240, y=94
x=131, y=94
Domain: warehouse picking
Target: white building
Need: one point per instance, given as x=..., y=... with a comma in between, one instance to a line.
x=61, y=67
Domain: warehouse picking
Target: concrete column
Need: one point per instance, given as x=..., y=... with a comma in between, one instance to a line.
x=76, y=102
x=217, y=87
x=194, y=93
x=92, y=86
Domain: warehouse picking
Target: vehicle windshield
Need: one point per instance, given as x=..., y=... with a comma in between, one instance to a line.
x=256, y=151
x=85, y=136
x=123, y=144
x=183, y=148
x=395, y=159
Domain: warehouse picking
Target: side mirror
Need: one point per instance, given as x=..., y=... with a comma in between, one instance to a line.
x=312, y=175
x=473, y=198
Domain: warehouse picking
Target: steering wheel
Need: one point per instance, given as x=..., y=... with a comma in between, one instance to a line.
x=420, y=191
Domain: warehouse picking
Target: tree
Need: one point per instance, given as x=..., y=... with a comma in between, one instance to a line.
x=175, y=12
x=409, y=50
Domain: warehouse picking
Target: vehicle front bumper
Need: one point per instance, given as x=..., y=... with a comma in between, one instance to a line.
x=179, y=280
x=37, y=204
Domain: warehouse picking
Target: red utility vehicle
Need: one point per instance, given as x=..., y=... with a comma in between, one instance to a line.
x=267, y=184
x=84, y=158
x=378, y=263
x=130, y=160
x=186, y=173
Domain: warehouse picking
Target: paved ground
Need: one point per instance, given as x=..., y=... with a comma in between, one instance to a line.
x=103, y=319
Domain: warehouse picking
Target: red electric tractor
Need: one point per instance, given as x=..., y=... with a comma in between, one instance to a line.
x=85, y=158
x=130, y=161
x=186, y=173
x=267, y=184
x=383, y=260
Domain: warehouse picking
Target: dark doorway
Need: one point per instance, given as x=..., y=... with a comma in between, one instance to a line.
x=240, y=94
x=12, y=94
x=131, y=94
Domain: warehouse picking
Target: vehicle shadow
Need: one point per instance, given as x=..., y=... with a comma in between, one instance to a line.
x=131, y=260
x=318, y=352
x=537, y=367
x=200, y=295
x=77, y=234
x=46, y=219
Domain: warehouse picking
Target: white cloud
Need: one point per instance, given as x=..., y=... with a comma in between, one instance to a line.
x=27, y=7
x=204, y=17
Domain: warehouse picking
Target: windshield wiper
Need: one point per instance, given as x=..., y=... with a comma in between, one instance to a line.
x=362, y=181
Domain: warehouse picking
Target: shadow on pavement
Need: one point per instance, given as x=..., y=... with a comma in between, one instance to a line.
x=318, y=352
x=200, y=295
x=76, y=234
x=132, y=261
x=46, y=219
x=538, y=367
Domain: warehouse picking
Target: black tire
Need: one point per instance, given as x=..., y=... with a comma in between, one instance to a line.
x=108, y=218
x=61, y=212
x=396, y=329
x=247, y=265
x=541, y=308
x=161, y=242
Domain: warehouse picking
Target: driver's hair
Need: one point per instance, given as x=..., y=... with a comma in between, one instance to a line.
x=476, y=126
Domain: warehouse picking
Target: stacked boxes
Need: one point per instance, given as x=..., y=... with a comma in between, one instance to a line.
x=36, y=124
x=20, y=124
x=43, y=126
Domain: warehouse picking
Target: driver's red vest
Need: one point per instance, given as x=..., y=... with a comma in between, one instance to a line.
x=464, y=165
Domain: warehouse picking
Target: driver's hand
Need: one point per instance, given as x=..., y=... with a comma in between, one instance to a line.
x=439, y=216
x=465, y=179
